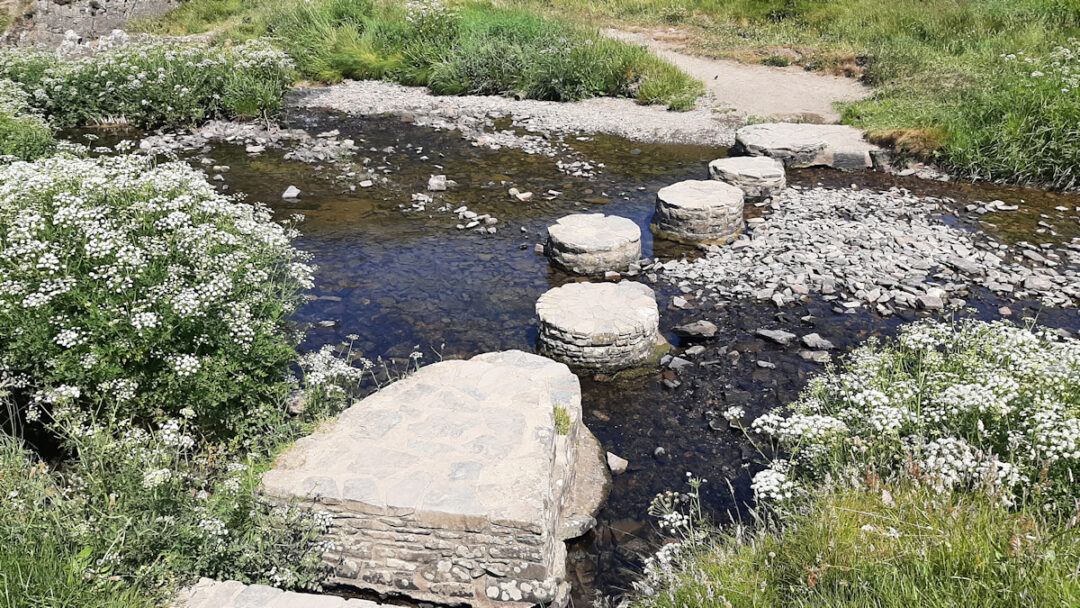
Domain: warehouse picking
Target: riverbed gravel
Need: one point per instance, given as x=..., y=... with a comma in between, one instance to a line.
x=541, y=121
x=881, y=250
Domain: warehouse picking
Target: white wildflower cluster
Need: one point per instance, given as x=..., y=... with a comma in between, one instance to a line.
x=964, y=405
x=104, y=286
x=1061, y=68
x=421, y=12
x=327, y=366
x=145, y=80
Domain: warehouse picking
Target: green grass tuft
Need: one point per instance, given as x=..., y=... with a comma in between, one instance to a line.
x=455, y=49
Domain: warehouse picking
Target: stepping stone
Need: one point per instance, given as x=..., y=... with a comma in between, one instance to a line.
x=758, y=176
x=699, y=212
x=456, y=485
x=807, y=145
x=599, y=325
x=593, y=243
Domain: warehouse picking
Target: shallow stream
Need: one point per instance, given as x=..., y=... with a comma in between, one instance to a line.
x=400, y=279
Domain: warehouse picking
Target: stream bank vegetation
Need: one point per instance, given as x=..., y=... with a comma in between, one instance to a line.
x=983, y=87
x=146, y=377
x=471, y=47
x=939, y=469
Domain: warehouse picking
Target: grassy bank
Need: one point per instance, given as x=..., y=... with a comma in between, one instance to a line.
x=936, y=470
x=461, y=48
x=944, y=84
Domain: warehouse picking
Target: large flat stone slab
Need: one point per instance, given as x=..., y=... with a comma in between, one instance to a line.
x=593, y=243
x=807, y=145
x=598, y=325
x=454, y=485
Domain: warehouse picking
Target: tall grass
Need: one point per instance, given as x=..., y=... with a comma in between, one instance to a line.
x=887, y=547
x=455, y=49
x=935, y=66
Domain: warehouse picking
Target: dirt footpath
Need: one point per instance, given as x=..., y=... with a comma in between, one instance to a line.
x=784, y=94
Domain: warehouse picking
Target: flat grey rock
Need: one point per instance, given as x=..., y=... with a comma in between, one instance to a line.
x=697, y=329
x=781, y=337
x=816, y=342
x=804, y=145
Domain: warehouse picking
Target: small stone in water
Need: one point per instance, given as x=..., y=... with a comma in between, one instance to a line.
x=291, y=192
x=616, y=464
x=437, y=183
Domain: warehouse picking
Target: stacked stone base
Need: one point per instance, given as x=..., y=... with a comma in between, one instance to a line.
x=699, y=212
x=599, y=326
x=592, y=244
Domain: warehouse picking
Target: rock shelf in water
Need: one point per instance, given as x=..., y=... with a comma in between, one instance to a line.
x=807, y=145
x=593, y=243
x=699, y=212
x=458, y=484
x=599, y=325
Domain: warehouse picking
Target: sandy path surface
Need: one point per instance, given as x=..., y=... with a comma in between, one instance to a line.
x=784, y=94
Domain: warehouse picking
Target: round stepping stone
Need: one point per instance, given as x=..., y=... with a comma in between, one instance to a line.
x=806, y=145
x=599, y=325
x=593, y=243
x=758, y=176
x=699, y=211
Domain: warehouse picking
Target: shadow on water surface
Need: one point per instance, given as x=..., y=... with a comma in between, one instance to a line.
x=399, y=279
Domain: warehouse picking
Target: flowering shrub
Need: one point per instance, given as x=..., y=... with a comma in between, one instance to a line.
x=150, y=82
x=144, y=509
x=23, y=133
x=971, y=406
x=139, y=289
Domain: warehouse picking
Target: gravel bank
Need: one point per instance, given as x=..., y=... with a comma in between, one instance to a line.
x=475, y=116
x=884, y=250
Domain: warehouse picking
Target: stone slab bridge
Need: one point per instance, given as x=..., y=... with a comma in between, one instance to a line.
x=457, y=485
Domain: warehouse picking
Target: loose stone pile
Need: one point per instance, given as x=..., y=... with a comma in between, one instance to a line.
x=699, y=211
x=884, y=250
x=301, y=146
x=804, y=145
x=758, y=176
x=456, y=485
x=599, y=325
x=593, y=243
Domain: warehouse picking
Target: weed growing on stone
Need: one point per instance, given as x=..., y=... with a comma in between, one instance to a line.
x=562, y=421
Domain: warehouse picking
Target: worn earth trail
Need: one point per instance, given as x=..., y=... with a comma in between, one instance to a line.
x=784, y=94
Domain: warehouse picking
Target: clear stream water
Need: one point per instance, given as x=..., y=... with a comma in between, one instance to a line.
x=399, y=280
